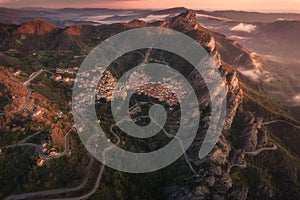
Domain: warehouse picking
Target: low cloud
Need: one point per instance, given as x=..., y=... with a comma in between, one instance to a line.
x=151, y=18
x=259, y=75
x=244, y=27
x=253, y=74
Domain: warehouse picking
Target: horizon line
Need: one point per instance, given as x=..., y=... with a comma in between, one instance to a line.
x=291, y=11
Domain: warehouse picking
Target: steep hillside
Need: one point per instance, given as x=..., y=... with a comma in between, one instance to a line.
x=37, y=27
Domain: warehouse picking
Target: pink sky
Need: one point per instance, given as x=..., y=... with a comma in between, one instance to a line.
x=272, y=5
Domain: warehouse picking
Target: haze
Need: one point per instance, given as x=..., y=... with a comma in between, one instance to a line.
x=259, y=5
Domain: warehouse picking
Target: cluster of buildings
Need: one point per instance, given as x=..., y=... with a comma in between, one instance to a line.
x=168, y=93
x=159, y=92
x=52, y=152
x=106, y=85
x=66, y=75
x=59, y=77
x=70, y=71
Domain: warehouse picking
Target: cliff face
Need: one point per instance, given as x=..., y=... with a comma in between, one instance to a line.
x=247, y=159
x=213, y=180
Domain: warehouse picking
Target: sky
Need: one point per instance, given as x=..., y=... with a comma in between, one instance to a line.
x=271, y=5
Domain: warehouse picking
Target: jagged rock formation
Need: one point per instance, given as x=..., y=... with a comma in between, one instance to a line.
x=213, y=180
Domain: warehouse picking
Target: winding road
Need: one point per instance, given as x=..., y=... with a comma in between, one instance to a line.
x=47, y=158
x=102, y=168
x=181, y=144
x=99, y=177
x=165, y=132
x=25, y=107
x=38, y=147
x=56, y=191
x=255, y=153
x=65, y=190
x=243, y=166
x=33, y=76
x=27, y=100
x=283, y=121
x=25, y=139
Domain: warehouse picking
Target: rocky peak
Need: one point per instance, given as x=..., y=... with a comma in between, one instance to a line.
x=187, y=18
x=189, y=14
x=38, y=27
x=74, y=30
x=135, y=23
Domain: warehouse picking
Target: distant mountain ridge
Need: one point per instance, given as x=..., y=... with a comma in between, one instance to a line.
x=52, y=37
x=72, y=16
x=247, y=16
